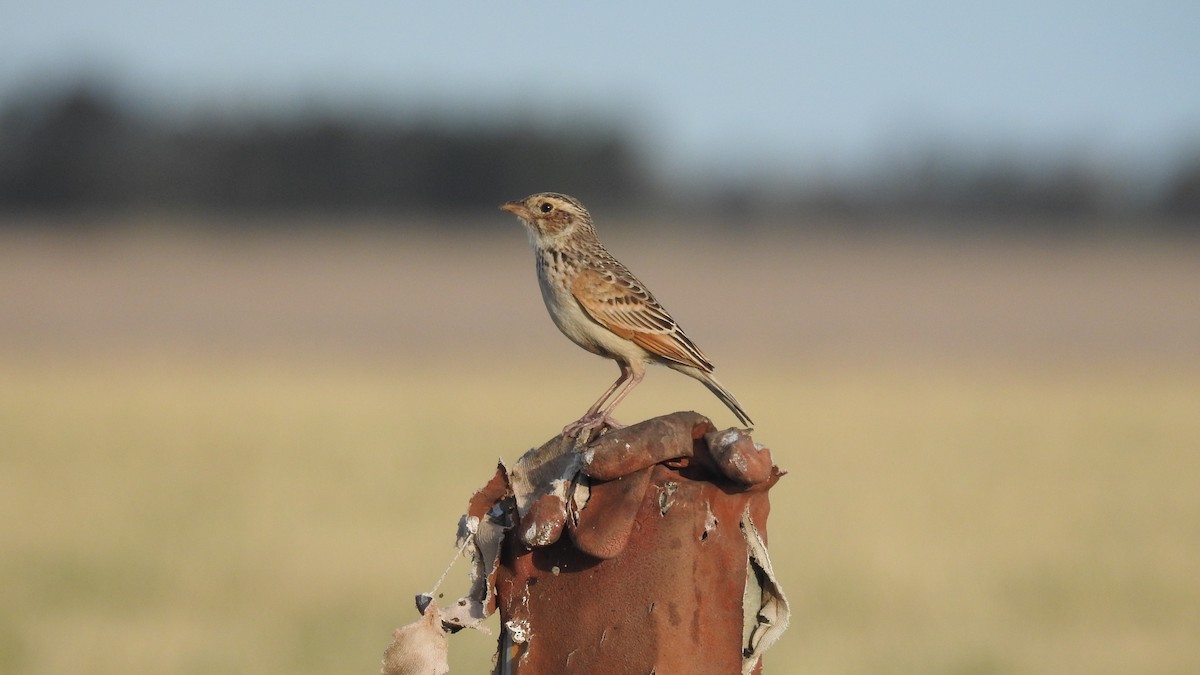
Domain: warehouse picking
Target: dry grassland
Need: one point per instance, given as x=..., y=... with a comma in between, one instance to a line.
x=244, y=453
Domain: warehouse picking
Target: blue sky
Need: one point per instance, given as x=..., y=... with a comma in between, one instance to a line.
x=726, y=86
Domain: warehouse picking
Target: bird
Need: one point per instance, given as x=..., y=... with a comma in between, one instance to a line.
x=602, y=307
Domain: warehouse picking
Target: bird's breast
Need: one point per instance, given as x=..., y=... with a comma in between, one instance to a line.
x=555, y=278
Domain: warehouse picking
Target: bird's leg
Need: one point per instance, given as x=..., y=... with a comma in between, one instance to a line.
x=625, y=374
x=593, y=418
x=635, y=378
x=631, y=375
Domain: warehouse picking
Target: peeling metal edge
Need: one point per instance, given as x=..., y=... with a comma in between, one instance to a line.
x=766, y=616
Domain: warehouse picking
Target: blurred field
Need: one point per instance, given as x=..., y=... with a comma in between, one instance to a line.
x=240, y=453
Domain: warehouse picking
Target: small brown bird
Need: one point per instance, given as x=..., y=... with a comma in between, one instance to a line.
x=598, y=303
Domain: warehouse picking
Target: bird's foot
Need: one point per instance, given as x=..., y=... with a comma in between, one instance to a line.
x=597, y=422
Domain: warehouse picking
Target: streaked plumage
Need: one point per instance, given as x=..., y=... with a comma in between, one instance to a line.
x=601, y=306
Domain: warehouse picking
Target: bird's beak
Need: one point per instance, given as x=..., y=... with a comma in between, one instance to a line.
x=518, y=209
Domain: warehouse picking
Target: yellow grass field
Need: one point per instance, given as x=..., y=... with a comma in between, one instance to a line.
x=242, y=453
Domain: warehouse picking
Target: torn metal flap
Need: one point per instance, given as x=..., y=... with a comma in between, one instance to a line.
x=604, y=527
x=542, y=481
x=549, y=469
x=485, y=539
x=485, y=497
x=766, y=612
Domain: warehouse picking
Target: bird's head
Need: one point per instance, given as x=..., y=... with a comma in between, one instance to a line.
x=550, y=217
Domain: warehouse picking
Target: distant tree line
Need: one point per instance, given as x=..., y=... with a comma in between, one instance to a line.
x=81, y=149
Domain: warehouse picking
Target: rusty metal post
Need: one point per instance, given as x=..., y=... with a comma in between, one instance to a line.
x=642, y=552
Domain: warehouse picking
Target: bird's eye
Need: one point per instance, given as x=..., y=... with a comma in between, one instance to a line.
x=547, y=207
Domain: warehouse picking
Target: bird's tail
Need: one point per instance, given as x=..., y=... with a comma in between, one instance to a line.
x=727, y=398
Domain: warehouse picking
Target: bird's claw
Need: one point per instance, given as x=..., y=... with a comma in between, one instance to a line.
x=593, y=421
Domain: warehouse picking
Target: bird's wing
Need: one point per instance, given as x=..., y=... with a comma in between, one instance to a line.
x=622, y=305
